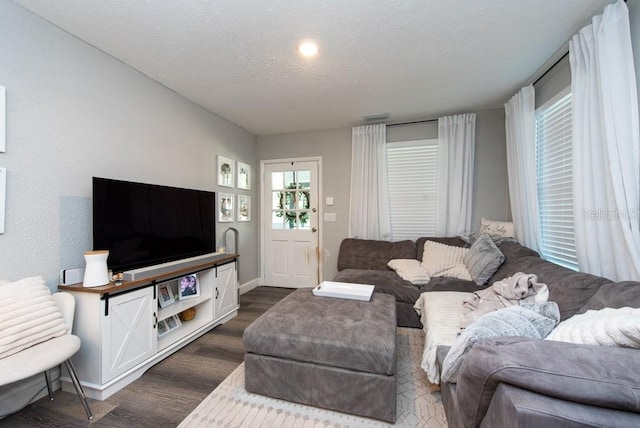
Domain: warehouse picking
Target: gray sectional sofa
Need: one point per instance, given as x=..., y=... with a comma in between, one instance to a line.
x=363, y=261
x=512, y=381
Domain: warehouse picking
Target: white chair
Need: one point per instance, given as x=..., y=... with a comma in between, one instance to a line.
x=47, y=355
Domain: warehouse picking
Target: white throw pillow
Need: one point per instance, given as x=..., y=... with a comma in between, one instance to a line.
x=497, y=228
x=445, y=260
x=605, y=327
x=410, y=270
x=28, y=315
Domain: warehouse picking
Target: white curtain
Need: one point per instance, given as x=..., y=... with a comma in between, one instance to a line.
x=606, y=147
x=520, y=125
x=456, y=159
x=369, y=209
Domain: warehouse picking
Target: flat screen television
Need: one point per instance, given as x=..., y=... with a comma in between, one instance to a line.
x=147, y=224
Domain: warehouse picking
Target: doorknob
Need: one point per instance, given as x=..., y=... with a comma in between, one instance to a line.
x=313, y=209
x=314, y=230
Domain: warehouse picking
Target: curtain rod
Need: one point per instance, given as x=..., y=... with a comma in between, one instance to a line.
x=554, y=64
x=411, y=123
x=551, y=68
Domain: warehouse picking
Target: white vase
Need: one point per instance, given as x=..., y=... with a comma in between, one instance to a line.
x=96, y=272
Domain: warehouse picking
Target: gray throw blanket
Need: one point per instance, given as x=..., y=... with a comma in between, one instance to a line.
x=534, y=321
x=519, y=289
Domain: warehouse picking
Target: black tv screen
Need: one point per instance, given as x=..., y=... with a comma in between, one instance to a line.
x=147, y=224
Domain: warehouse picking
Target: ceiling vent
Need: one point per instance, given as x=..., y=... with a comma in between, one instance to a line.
x=376, y=118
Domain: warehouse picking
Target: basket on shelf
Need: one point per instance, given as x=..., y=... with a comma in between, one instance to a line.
x=187, y=314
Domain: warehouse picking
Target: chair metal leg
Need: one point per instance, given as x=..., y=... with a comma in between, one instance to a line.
x=47, y=377
x=78, y=387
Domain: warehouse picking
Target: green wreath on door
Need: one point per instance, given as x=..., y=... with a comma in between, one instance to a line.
x=286, y=199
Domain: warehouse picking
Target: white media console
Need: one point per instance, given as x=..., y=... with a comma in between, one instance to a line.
x=123, y=327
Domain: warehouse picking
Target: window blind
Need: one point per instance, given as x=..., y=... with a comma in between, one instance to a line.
x=555, y=182
x=412, y=183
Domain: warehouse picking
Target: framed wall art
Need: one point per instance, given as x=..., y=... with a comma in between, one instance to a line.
x=225, y=171
x=244, y=176
x=244, y=208
x=225, y=207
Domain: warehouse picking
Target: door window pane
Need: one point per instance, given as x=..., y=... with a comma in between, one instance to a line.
x=289, y=180
x=290, y=206
x=304, y=179
x=277, y=180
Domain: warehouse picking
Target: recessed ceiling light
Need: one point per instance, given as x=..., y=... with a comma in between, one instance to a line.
x=308, y=48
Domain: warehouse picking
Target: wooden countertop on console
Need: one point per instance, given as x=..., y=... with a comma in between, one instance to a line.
x=126, y=285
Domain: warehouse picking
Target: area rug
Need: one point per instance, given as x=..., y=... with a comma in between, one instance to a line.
x=419, y=402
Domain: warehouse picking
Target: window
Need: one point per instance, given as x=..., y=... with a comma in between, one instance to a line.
x=555, y=182
x=412, y=183
x=290, y=199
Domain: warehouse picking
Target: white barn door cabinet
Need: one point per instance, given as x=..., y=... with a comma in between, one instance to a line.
x=123, y=328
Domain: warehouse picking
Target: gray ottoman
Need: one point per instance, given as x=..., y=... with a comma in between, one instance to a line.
x=333, y=353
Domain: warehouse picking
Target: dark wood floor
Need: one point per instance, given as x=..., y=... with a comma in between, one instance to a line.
x=167, y=392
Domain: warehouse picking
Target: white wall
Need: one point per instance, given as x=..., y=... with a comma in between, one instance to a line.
x=74, y=112
x=334, y=146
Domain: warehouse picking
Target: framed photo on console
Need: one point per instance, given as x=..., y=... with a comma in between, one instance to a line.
x=244, y=176
x=225, y=171
x=167, y=325
x=162, y=328
x=165, y=295
x=173, y=322
x=225, y=207
x=188, y=287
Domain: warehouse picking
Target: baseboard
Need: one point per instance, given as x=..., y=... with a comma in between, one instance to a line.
x=248, y=286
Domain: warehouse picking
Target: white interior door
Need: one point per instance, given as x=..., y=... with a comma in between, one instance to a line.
x=290, y=214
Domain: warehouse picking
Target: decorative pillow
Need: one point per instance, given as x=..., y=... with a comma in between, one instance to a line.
x=410, y=270
x=28, y=315
x=445, y=260
x=606, y=327
x=499, y=228
x=534, y=321
x=471, y=237
x=483, y=259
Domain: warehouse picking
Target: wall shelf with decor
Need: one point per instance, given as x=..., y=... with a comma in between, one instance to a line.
x=125, y=329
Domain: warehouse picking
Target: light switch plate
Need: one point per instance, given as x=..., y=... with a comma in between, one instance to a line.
x=329, y=216
x=329, y=200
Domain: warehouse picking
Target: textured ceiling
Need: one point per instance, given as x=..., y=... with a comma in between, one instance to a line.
x=412, y=59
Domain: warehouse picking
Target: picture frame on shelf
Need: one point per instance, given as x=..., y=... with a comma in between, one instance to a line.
x=225, y=171
x=162, y=328
x=188, y=287
x=244, y=176
x=244, y=208
x=225, y=207
x=173, y=322
x=165, y=295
